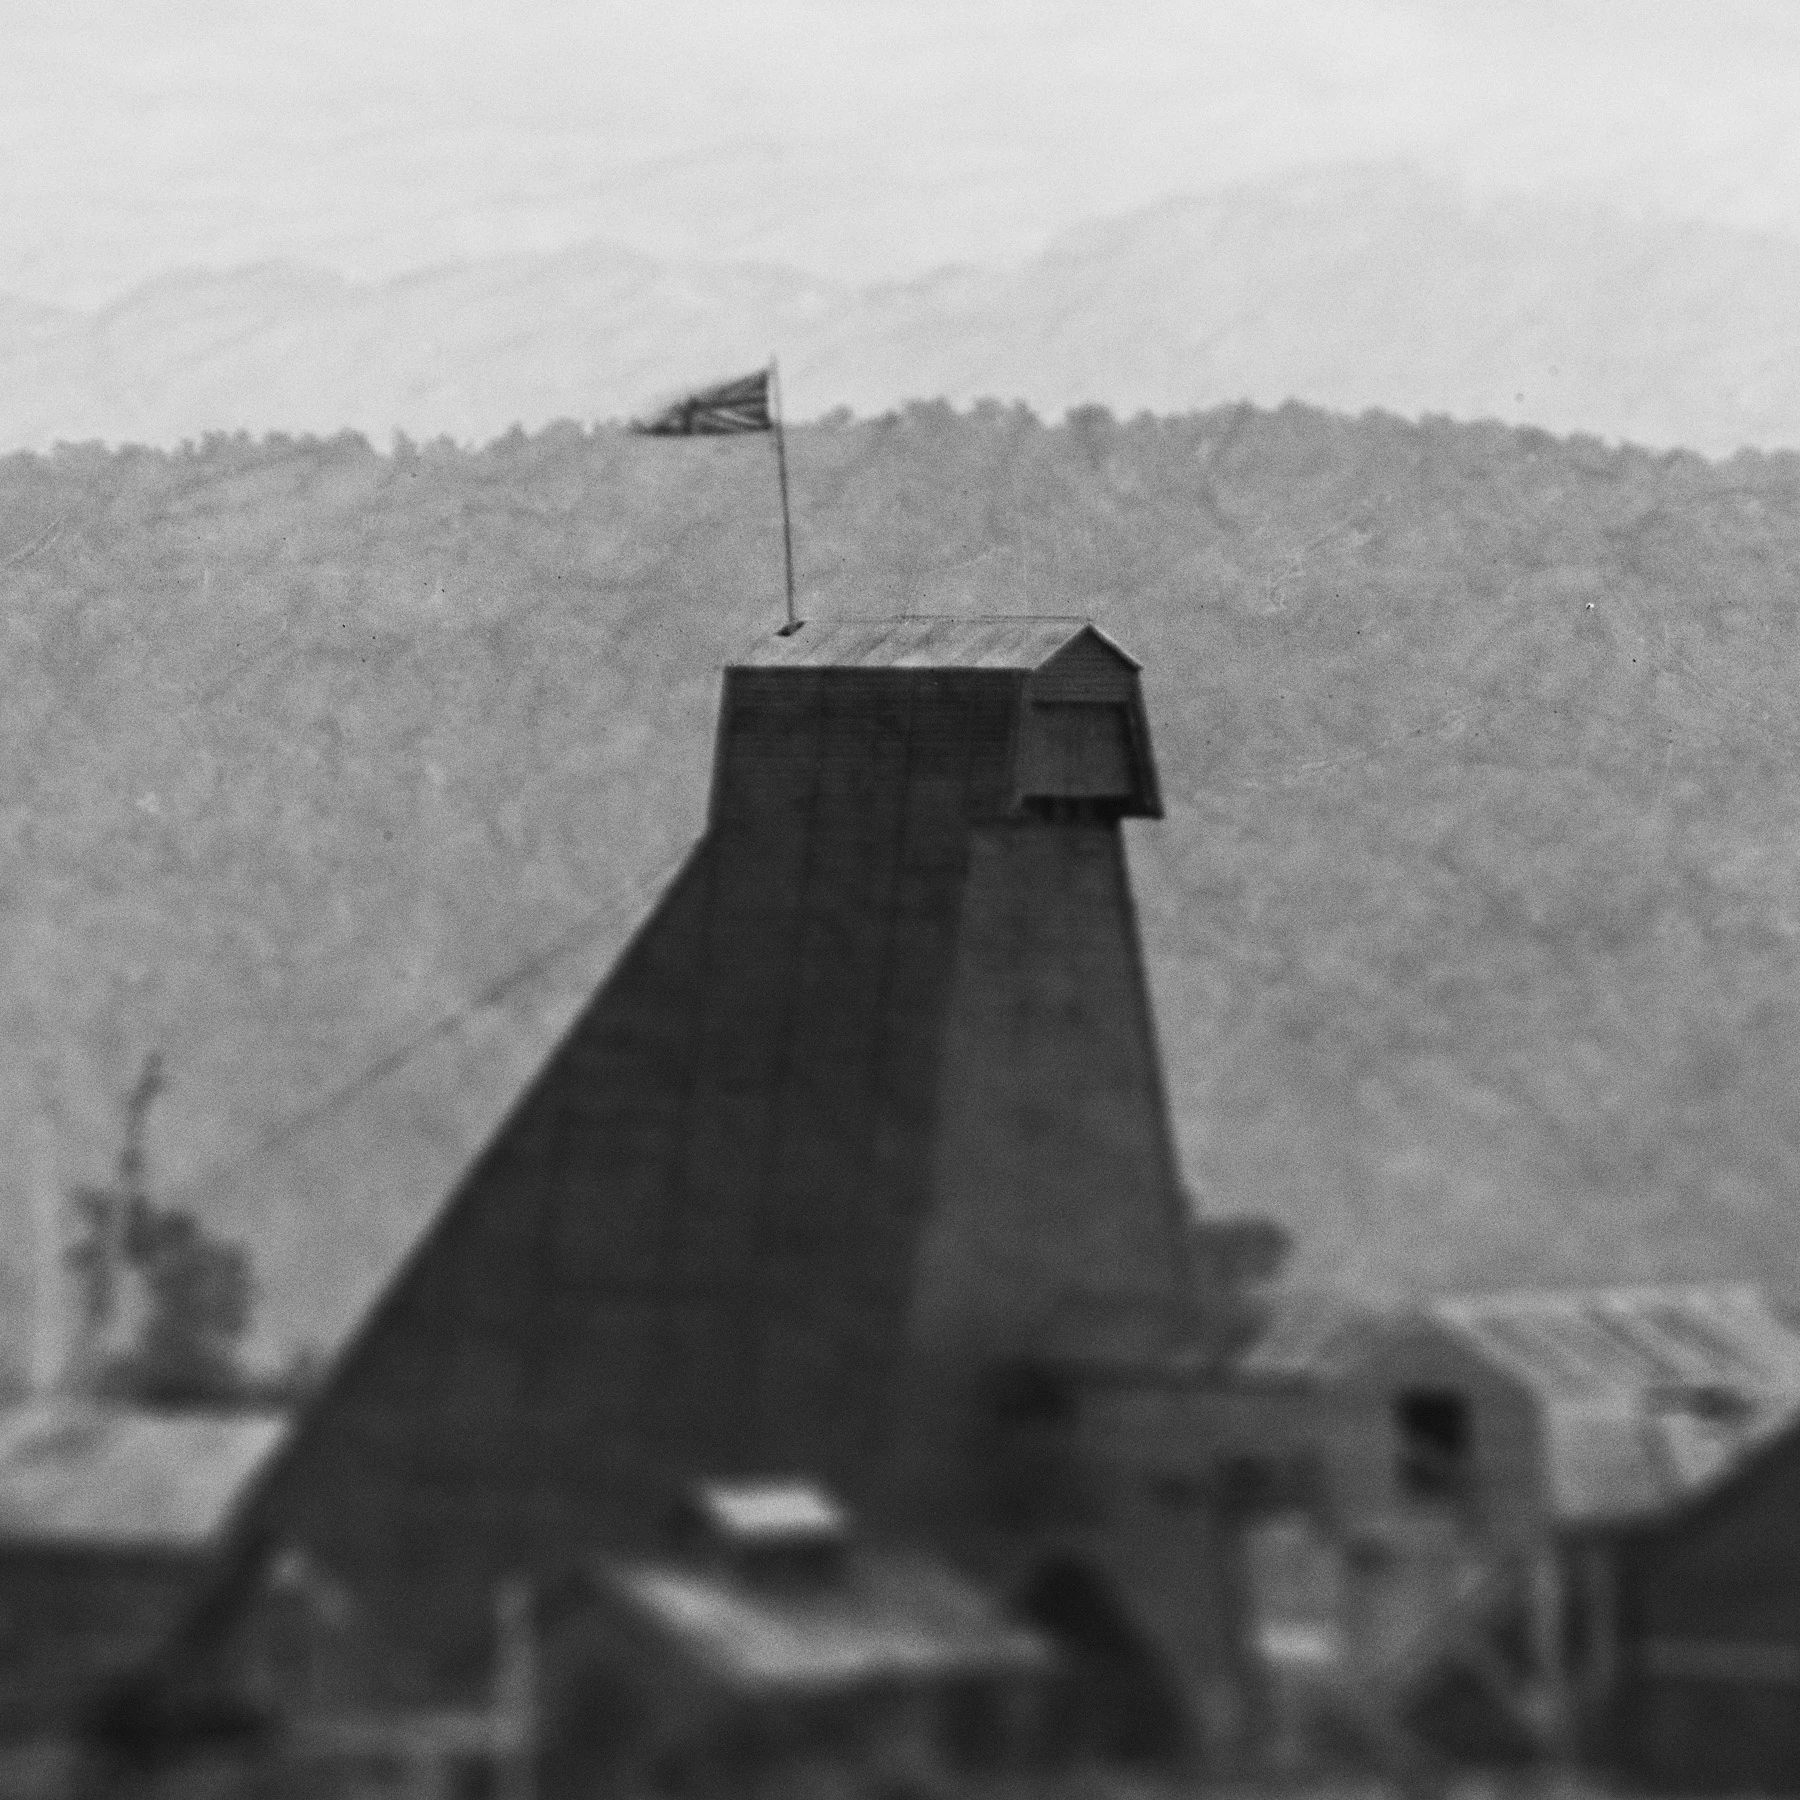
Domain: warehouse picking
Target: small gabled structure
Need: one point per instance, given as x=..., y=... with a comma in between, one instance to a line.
x=1519, y=1504
x=1561, y=1512
x=769, y=1637
x=1082, y=737
x=111, y=1519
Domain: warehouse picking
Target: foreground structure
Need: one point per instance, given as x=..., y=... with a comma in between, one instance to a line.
x=110, y=1522
x=868, y=1112
x=1549, y=1525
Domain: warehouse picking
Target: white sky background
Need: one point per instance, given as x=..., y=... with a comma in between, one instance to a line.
x=860, y=139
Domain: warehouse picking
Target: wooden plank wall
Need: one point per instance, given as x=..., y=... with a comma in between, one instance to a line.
x=72, y=1619
x=690, y=1246
x=1055, y=1175
x=1707, y=1652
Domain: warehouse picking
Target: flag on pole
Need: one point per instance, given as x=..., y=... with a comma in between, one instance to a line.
x=722, y=411
x=751, y=403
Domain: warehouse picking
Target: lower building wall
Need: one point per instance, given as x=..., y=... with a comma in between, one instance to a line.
x=1708, y=1736
x=1054, y=1179
x=1707, y=1690
x=72, y=1622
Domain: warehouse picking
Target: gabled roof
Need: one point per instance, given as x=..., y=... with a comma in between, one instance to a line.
x=106, y=1478
x=1593, y=1346
x=893, y=1617
x=927, y=641
x=1649, y=1395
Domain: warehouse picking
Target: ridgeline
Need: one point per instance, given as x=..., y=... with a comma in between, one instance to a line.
x=1474, y=923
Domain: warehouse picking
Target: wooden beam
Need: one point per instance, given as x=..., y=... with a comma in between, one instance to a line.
x=1547, y=1605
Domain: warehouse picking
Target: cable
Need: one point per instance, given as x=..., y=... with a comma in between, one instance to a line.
x=383, y=1066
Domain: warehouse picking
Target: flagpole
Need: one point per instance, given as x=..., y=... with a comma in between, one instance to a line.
x=787, y=530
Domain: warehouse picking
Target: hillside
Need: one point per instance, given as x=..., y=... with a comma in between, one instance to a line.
x=1370, y=287
x=1473, y=924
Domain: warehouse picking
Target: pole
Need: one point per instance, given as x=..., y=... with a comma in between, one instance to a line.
x=787, y=530
x=49, y=1338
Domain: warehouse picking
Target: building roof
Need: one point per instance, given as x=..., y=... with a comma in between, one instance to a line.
x=891, y=1617
x=101, y=1478
x=1649, y=1395
x=1595, y=1345
x=925, y=641
x=766, y=1512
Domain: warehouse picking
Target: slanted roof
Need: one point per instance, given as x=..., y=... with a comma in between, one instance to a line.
x=1649, y=1395
x=928, y=641
x=1595, y=1345
x=893, y=1617
x=105, y=1478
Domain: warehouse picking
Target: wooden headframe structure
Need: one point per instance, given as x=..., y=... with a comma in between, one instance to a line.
x=874, y=1090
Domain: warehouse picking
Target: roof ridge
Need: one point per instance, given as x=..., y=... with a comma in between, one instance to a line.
x=1018, y=642
x=1472, y=1300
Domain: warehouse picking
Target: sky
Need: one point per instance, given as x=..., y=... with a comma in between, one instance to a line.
x=862, y=140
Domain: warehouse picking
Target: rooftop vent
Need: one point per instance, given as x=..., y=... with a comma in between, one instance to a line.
x=764, y=1530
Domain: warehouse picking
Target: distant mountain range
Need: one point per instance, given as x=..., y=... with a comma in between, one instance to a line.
x=1373, y=288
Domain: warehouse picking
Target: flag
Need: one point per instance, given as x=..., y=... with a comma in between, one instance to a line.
x=722, y=411
x=751, y=403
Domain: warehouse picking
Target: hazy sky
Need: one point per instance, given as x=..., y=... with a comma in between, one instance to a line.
x=856, y=138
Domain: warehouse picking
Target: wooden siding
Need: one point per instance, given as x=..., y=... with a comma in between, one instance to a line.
x=1076, y=749
x=70, y=1620
x=691, y=1248
x=1506, y=1468
x=1084, y=734
x=1055, y=1175
x=1708, y=1640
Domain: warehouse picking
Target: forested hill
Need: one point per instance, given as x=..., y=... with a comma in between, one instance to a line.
x=1475, y=921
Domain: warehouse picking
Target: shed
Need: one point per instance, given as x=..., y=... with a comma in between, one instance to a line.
x=109, y=1519
x=873, y=1091
x=1523, y=1485
x=1482, y=1480
x=770, y=1639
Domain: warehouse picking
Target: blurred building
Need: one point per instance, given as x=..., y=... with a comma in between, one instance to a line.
x=770, y=1643
x=110, y=1519
x=1697, y=1688
x=1541, y=1524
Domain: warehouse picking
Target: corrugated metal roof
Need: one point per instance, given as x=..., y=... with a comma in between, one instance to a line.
x=1649, y=1395
x=112, y=1478
x=922, y=641
x=1623, y=1343
x=892, y=1617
